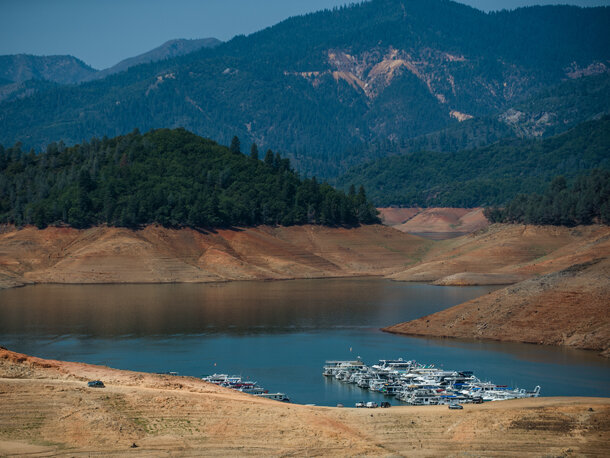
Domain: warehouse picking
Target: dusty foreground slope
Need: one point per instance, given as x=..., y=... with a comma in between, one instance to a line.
x=47, y=409
x=158, y=255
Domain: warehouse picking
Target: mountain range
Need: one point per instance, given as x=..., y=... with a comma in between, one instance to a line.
x=323, y=87
x=23, y=74
x=550, y=112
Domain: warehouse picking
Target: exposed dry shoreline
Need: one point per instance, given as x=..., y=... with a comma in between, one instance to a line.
x=436, y=223
x=48, y=410
x=560, y=276
x=159, y=255
x=559, y=293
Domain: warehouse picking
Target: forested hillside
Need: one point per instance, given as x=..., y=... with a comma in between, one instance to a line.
x=549, y=112
x=171, y=177
x=18, y=68
x=492, y=175
x=315, y=85
x=167, y=50
x=585, y=201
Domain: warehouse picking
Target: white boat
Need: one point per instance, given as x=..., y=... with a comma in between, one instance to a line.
x=419, y=384
x=275, y=396
x=216, y=379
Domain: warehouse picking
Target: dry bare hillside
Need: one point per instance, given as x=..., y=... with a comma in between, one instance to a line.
x=569, y=307
x=48, y=410
x=561, y=295
x=437, y=223
x=507, y=253
x=157, y=255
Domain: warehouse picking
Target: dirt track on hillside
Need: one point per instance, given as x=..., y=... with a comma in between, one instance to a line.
x=48, y=410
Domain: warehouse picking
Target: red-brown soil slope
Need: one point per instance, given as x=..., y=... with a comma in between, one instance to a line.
x=392, y=216
x=157, y=255
x=47, y=410
x=569, y=307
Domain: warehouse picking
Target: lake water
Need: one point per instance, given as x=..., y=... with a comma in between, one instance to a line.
x=276, y=333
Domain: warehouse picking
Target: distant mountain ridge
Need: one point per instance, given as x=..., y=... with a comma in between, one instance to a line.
x=19, y=68
x=315, y=85
x=169, y=49
x=66, y=69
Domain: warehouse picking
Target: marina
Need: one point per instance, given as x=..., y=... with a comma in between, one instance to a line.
x=235, y=382
x=418, y=384
x=278, y=334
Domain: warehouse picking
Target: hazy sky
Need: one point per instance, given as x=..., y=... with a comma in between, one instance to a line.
x=103, y=32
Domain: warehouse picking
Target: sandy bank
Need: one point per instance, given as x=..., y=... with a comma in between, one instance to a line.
x=159, y=255
x=47, y=409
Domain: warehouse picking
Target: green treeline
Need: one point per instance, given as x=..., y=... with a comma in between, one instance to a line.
x=170, y=177
x=585, y=201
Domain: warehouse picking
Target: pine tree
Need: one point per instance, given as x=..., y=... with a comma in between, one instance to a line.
x=235, y=145
x=254, y=152
x=269, y=157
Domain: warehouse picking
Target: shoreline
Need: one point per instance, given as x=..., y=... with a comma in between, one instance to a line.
x=541, y=265
x=48, y=409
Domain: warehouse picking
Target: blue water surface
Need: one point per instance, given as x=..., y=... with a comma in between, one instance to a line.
x=276, y=333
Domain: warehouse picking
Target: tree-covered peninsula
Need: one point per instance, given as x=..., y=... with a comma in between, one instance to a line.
x=170, y=177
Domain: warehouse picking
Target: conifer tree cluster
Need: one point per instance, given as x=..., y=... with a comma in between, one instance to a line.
x=171, y=177
x=586, y=201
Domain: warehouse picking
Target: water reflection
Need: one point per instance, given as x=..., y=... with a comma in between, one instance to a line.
x=232, y=308
x=276, y=333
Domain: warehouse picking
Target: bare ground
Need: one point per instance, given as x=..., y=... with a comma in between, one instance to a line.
x=560, y=296
x=159, y=255
x=435, y=223
x=48, y=410
x=568, y=307
x=508, y=253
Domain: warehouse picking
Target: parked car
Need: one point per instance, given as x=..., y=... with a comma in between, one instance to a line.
x=385, y=405
x=371, y=405
x=455, y=406
x=96, y=384
x=360, y=404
